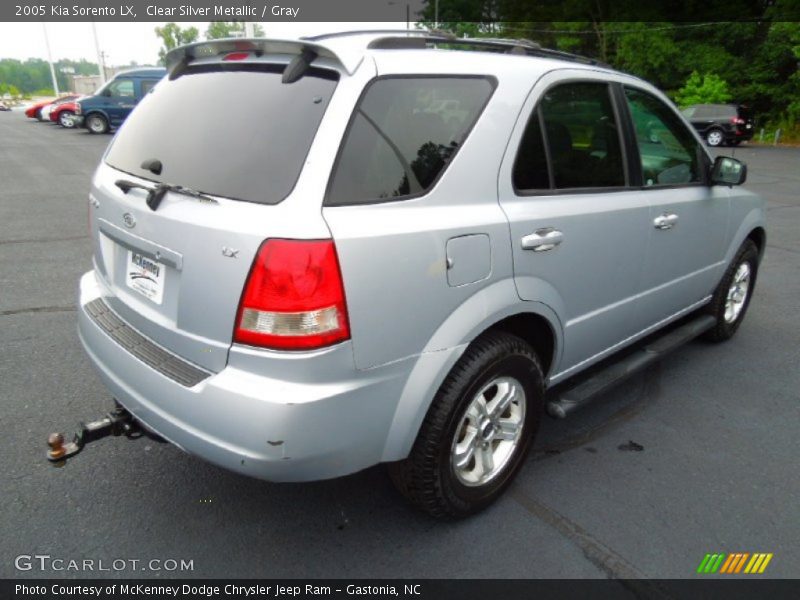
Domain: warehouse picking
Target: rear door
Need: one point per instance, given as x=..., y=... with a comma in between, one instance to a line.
x=578, y=230
x=177, y=273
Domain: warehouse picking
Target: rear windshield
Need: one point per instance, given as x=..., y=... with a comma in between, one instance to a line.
x=403, y=134
x=227, y=130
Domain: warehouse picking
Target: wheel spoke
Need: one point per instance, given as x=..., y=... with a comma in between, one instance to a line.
x=506, y=393
x=465, y=449
x=487, y=458
x=507, y=429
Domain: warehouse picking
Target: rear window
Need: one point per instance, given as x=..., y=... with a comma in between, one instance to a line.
x=227, y=130
x=403, y=134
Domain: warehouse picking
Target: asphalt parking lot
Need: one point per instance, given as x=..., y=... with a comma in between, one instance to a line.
x=718, y=427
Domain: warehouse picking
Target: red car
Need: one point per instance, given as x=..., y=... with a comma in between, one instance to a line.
x=63, y=113
x=34, y=111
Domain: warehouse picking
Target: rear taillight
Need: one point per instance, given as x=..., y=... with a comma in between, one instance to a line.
x=737, y=121
x=294, y=297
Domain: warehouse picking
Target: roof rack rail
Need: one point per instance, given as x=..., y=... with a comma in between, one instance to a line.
x=508, y=46
x=340, y=34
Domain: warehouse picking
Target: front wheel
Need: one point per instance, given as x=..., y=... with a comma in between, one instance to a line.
x=732, y=296
x=96, y=124
x=66, y=119
x=478, y=429
x=715, y=138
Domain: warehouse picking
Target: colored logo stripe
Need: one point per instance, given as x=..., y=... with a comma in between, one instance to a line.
x=734, y=563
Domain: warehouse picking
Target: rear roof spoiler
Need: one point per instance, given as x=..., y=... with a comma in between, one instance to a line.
x=179, y=58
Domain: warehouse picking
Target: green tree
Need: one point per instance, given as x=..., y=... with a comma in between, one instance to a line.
x=708, y=89
x=173, y=36
x=218, y=30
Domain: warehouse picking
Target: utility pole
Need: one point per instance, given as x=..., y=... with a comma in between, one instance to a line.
x=100, y=62
x=249, y=30
x=436, y=14
x=50, y=60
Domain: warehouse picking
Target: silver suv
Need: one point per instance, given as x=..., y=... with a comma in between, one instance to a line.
x=317, y=255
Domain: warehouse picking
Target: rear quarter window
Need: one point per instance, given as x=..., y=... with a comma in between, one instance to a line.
x=402, y=135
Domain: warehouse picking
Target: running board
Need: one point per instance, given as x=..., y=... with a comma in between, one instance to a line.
x=588, y=389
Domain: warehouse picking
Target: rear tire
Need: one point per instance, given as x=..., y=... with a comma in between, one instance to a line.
x=732, y=296
x=96, y=124
x=478, y=429
x=715, y=138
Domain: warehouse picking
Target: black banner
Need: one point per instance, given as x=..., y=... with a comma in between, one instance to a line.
x=437, y=589
x=484, y=11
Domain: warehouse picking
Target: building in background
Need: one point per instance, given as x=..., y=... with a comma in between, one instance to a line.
x=85, y=85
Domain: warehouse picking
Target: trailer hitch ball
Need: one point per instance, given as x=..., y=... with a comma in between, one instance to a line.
x=118, y=422
x=56, y=443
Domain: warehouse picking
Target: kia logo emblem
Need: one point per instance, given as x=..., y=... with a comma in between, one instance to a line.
x=129, y=220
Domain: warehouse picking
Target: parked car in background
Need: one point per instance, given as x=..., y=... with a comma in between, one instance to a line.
x=37, y=110
x=721, y=124
x=112, y=103
x=34, y=111
x=349, y=280
x=63, y=113
x=3, y=106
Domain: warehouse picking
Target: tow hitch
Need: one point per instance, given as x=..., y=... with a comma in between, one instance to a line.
x=118, y=422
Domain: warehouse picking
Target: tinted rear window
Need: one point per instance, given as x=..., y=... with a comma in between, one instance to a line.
x=234, y=130
x=403, y=133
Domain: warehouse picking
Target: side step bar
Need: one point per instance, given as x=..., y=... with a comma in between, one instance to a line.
x=587, y=390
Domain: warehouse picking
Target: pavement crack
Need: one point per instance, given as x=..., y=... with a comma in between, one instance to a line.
x=784, y=248
x=604, y=558
x=71, y=238
x=36, y=309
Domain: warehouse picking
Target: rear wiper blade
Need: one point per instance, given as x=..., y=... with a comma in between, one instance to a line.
x=156, y=194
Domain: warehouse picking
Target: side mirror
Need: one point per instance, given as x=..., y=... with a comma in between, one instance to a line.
x=728, y=171
x=106, y=92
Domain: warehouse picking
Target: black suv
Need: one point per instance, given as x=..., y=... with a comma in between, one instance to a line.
x=721, y=123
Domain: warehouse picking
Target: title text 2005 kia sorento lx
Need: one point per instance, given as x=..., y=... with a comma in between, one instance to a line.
x=371, y=249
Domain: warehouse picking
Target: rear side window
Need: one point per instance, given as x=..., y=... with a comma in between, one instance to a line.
x=582, y=136
x=230, y=130
x=402, y=135
x=577, y=124
x=530, y=167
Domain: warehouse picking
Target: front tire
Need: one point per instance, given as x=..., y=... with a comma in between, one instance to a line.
x=96, y=124
x=478, y=429
x=715, y=138
x=732, y=296
x=66, y=119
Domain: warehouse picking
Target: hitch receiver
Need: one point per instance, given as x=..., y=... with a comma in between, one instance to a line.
x=118, y=422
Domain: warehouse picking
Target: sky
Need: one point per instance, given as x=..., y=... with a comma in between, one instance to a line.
x=124, y=43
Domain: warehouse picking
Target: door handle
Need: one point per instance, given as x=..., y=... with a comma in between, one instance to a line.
x=665, y=221
x=542, y=240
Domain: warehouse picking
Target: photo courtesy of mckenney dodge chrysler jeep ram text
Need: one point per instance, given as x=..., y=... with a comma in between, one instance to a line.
x=402, y=259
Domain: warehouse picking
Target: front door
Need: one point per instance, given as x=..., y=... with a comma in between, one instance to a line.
x=121, y=99
x=688, y=217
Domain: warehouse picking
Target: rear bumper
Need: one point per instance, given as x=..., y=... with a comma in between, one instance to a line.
x=277, y=416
